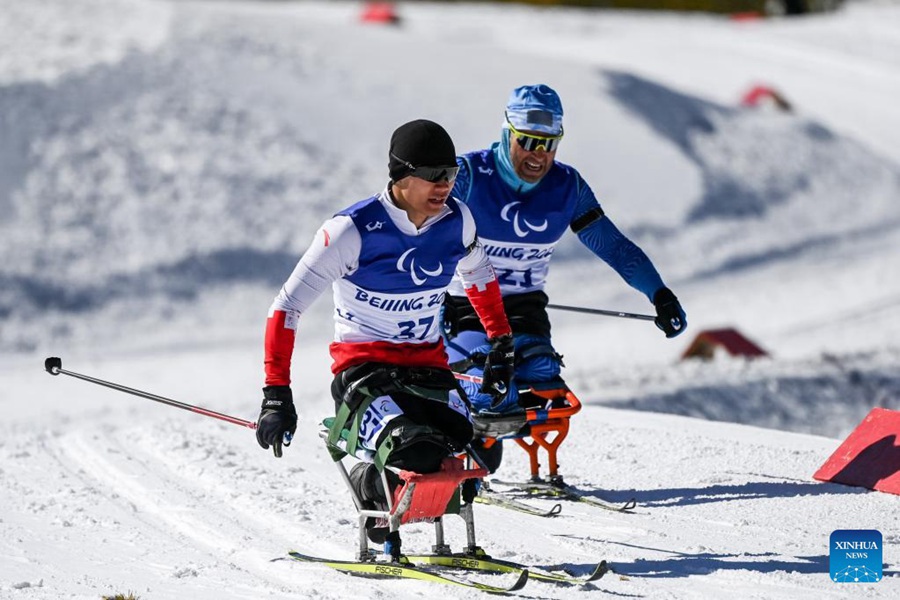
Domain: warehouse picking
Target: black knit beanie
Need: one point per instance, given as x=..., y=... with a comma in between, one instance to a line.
x=419, y=143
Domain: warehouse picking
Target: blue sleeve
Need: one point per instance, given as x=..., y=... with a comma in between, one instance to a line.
x=463, y=180
x=605, y=240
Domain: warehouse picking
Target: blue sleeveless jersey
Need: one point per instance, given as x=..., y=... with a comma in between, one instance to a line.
x=520, y=231
x=396, y=292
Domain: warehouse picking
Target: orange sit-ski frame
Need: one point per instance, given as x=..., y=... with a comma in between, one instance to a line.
x=541, y=423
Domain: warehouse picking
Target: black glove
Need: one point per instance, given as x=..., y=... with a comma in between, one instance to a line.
x=449, y=318
x=277, y=418
x=498, y=368
x=670, y=316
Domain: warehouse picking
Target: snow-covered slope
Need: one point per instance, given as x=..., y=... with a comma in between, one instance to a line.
x=164, y=164
x=111, y=493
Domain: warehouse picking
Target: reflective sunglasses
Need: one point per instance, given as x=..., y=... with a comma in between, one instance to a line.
x=532, y=143
x=430, y=174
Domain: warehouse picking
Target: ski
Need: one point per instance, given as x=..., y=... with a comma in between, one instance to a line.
x=404, y=570
x=567, y=492
x=492, y=498
x=493, y=565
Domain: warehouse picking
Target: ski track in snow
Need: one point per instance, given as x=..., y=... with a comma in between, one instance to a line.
x=171, y=507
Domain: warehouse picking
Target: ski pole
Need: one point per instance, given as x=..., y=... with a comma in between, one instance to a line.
x=469, y=378
x=53, y=365
x=607, y=313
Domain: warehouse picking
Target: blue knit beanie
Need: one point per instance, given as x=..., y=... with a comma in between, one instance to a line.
x=535, y=108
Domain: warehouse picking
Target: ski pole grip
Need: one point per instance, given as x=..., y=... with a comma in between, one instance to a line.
x=53, y=365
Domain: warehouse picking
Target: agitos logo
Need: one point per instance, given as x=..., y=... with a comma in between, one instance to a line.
x=855, y=556
x=416, y=270
x=517, y=222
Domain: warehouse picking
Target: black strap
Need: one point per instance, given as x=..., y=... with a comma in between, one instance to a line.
x=595, y=214
x=476, y=359
x=533, y=349
x=523, y=353
x=356, y=388
x=527, y=313
x=375, y=379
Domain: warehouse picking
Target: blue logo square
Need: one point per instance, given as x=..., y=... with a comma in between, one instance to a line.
x=855, y=556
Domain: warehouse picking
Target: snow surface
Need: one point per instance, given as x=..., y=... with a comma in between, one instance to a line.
x=164, y=164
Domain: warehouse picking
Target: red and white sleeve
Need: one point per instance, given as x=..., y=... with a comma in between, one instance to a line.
x=480, y=282
x=333, y=251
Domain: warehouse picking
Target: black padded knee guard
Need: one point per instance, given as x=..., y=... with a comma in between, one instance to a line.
x=417, y=448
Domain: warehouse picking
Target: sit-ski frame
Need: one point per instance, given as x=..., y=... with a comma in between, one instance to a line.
x=422, y=497
x=538, y=424
x=544, y=422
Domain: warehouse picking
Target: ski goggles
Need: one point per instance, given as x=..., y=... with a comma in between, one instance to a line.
x=532, y=143
x=430, y=174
